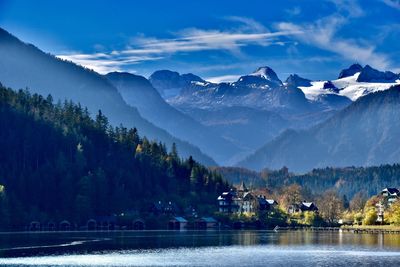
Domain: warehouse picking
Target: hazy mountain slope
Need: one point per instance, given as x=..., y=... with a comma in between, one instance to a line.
x=365, y=133
x=25, y=66
x=244, y=126
x=138, y=92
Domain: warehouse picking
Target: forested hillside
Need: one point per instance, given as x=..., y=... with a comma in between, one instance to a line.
x=58, y=163
x=345, y=181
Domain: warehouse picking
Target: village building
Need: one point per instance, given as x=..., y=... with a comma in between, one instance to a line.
x=206, y=223
x=138, y=224
x=243, y=201
x=177, y=223
x=390, y=194
x=266, y=204
x=248, y=204
x=227, y=202
x=302, y=207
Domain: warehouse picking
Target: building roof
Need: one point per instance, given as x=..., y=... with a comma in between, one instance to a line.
x=248, y=195
x=308, y=206
x=179, y=219
x=209, y=219
x=242, y=187
x=226, y=195
x=271, y=201
x=391, y=190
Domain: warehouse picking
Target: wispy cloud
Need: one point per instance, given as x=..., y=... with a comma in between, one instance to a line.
x=351, y=7
x=392, y=3
x=323, y=34
x=294, y=11
x=143, y=48
x=104, y=63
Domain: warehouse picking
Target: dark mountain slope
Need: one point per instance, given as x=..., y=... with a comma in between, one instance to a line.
x=25, y=66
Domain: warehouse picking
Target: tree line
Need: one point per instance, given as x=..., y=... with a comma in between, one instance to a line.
x=347, y=181
x=59, y=163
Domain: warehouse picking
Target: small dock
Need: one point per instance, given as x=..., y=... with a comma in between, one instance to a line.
x=355, y=230
x=371, y=230
x=307, y=228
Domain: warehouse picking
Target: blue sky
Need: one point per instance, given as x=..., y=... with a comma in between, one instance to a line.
x=218, y=40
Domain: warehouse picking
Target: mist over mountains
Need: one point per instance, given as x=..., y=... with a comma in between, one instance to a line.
x=258, y=121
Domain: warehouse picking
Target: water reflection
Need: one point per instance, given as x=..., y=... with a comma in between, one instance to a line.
x=203, y=248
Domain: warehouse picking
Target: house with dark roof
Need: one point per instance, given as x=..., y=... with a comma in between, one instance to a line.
x=244, y=201
x=265, y=204
x=302, y=207
x=248, y=203
x=308, y=206
x=390, y=194
x=227, y=202
x=206, y=223
x=177, y=223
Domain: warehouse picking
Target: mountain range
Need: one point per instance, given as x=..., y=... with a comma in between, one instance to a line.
x=258, y=107
x=258, y=121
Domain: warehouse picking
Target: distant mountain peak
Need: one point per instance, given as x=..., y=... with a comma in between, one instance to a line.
x=263, y=76
x=369, y=74
x=170, y=83
x=296, y=81
x=133, y=79
x=350, y=71
x=265, y=73
x=190, y=77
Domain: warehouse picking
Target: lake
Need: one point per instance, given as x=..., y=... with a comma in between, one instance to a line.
x=199, y=248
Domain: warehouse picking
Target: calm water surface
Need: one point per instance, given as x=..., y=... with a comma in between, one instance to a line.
x=206, y=248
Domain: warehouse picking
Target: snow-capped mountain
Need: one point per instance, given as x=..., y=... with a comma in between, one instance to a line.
x=261, y=89
x=259, y=106
x=353, y=83
x=170, y=83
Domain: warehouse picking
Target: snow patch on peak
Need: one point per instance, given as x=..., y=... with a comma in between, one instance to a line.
x=347, y=86
x=265, y=73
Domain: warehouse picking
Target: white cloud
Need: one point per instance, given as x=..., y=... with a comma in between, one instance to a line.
x=392, y=3
x=191, y=40
x=323, y=34
x=143, y=48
